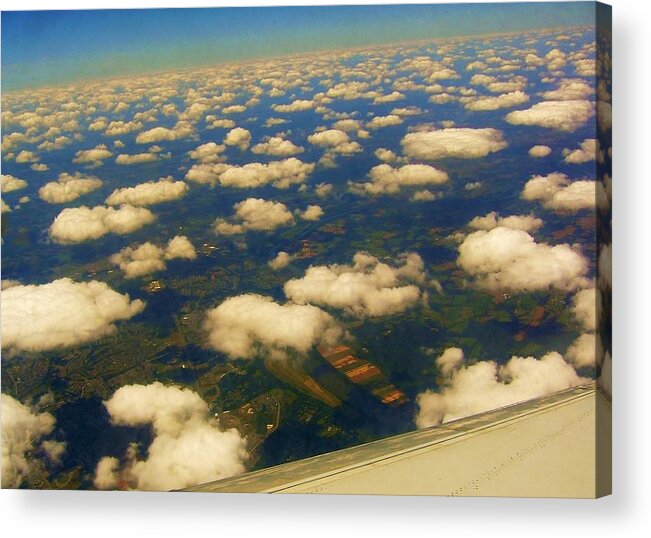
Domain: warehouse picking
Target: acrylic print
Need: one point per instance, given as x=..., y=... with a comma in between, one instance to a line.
x=346, y=249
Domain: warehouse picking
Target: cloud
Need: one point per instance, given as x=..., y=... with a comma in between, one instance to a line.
x=556, y=192
x=450, y=360
x=77, y=224
x=505, y=100
x=68, y=188
x=423, y=196
x=312, y=212
x=119, y=128
x=278, y=146
x=27, y=157
x=570, y=90
x=61, y=313
x=149, y=258
x=388, y=180
x=282, y=259
x=298, y=105
x=280, y=174
x=485, y=385
x=150, y=193
x=22, y=429
x=587, y=151
x=222, y=123
x=95, y=155
x=583, y=351
x=540, y=151
x=506, y=259
x=248, y=325
x=378, y=122
x=335, y=141
x=11, y=183
x=385, y=155
x=5, y=207
x=238, y=137
x=188, y=447
x=323, y=189
x=182, y=129
x=527, y=223
x=255, y=214
x=389, y=98
x=367, y=288
x=137, y=158
x=561, y=115
x=460, y=143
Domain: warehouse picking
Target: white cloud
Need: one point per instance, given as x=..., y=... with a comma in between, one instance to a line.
x=149, y=258
x=180, y=247
x=583, y=351
x=207, y=153
x=188, y=447
x=505, y=100
x=540, y=151
x=335, y=141
x=11, y=183
x=206, y=173
x=61, y=313
x=562, y=115
x=95, y=155
x=385, y=155
x=77, y=224
x=282, y=259
x=388, y=180
x=138, y=158
x=281, y=174
x=450, y=360
x=368, y=287
x=181, y=130
x=238, y=137
x=527, y=223
x=585, y=306
x=278, y=146
x=68, y=188
x=119, y=128
x=248, y=325
x=587, y=151
x=389, y=98
x=378, y=122
x=295, y=106
x=570, y=90
x=5, y=207
x=506, y=259
x=485, y=385
x=556, y=192
x=312, y=212
x=323, y=189
x=22, y=429
x=423, y=196
x=461, y=143
x=150, y=193
x=255, y=214
x=26, y=157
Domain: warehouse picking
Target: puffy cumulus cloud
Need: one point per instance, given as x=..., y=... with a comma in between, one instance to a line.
x=323, y=189
x=206, y=173
x=278, y=146
x=222, y=123
x=150, y=193
x=527, y=223
x=61, y=313
x=562, y=115
x=507, y=259
x=23, y=451
x=137, y=158
x=181, y=130
x=255, y=214
x=485, y=385
x=389, y=98
x=68, y=188
x=4, y=207
x=556, y=192
x=450, y=360
x=11, y=183
x=335, y=141
x=297, y=105
x=119, y=128
x=505, y=100
x=367, y=288
x=423, y=196
x=312, y=212
x=282, y=259
x=583, y=351
x=388, y=180
x=77, y=224
x=570, y=90
x=540, y=151
x=348, y=125
x=280, y=174
x=249, y=325
x=604, y=116
x=188, y=446
x=585, y=306
x=149, y=258
x=587, y=151
x=94, y=155
x=378, y=122
x=238, y=137
x=207, y=153
x=460, y=143
x=385, y=155
x=26, y=157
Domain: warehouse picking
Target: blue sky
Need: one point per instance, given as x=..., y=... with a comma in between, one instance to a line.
x=51, y=47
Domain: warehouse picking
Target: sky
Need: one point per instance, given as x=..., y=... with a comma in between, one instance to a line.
x=41, y=48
